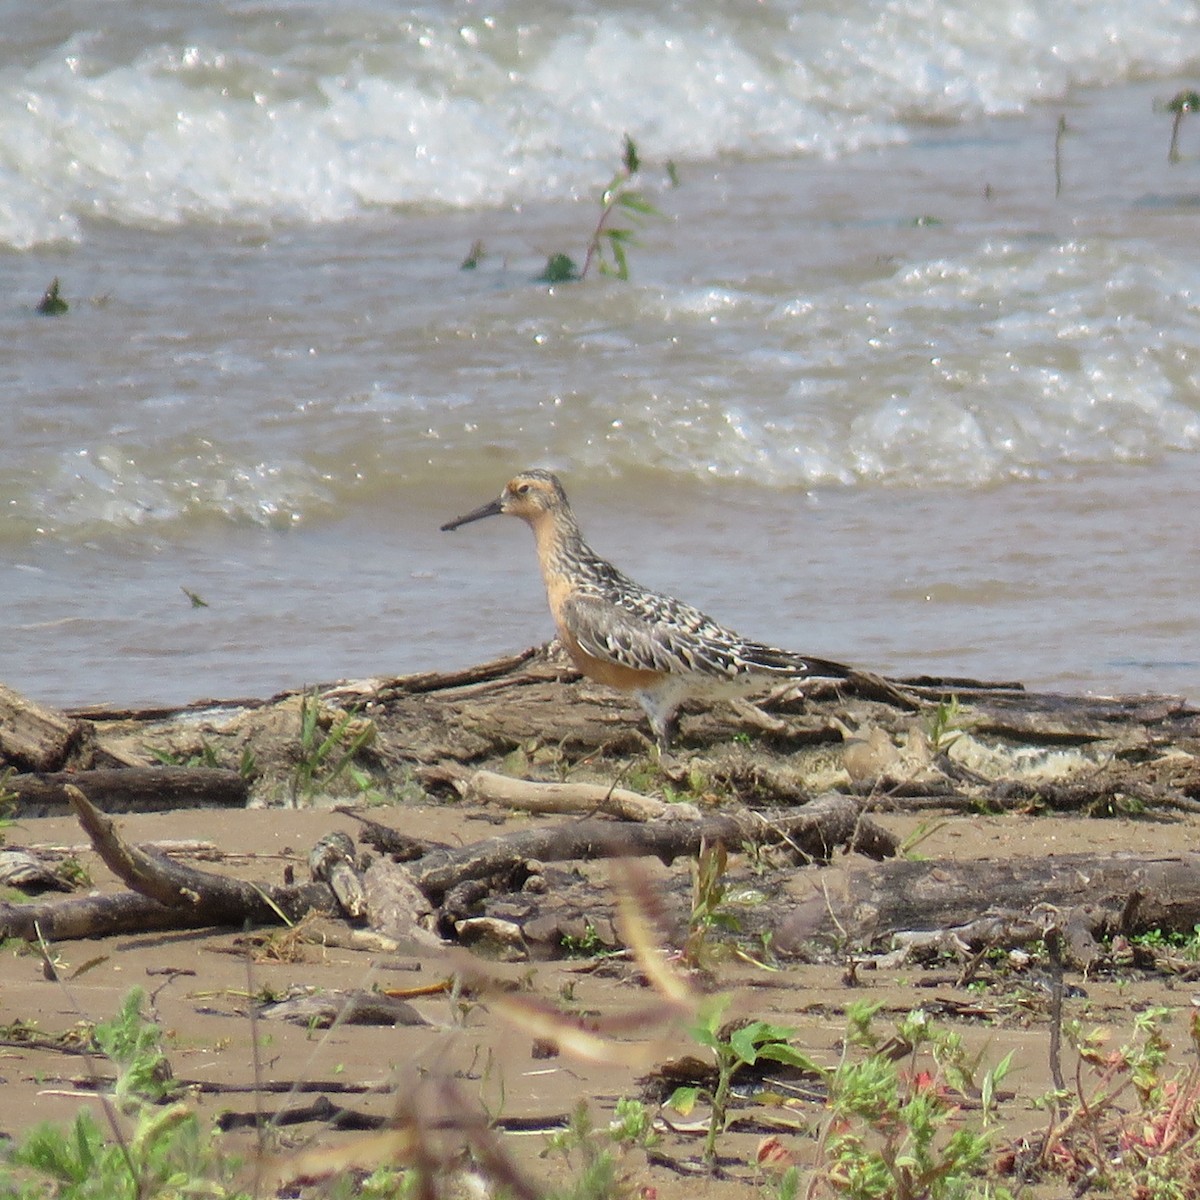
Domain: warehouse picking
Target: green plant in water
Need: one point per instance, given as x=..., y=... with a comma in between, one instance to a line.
x=1180, y=104
x=475, y=256
x=52, y=304
x=559, y=268
x=608, y=247
x=1059, y=137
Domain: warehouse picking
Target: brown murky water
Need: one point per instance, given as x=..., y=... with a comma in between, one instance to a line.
x=903, y=408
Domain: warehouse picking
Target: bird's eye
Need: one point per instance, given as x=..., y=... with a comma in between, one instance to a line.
x=522, y=489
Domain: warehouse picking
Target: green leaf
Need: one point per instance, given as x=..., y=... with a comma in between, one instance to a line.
x=622, y=262
x=638, y=203
x=560, y=268
x=683, y=1100
x=475, y=256
x=745, y=1041
x=708, y=1020
x=630, y=156
x=784, y=1052
x=52, y=304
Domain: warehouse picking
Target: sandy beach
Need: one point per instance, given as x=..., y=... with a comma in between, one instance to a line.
x=905, y=374
x=204, y=983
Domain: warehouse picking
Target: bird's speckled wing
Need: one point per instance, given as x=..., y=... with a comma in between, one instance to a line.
x=650, y=632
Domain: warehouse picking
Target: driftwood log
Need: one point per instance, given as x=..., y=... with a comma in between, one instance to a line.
x=815, y=831
x=130, y=789
x=36, y=738
x=474, y=718
x=490, y=787
x=169, y=893
x=1087, y=897
x=94, y=916
x=454, y=732
x=1121, y=893
x=197, y=898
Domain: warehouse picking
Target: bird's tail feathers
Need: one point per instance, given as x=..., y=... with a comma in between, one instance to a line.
x=785, y=662
x=801, y=666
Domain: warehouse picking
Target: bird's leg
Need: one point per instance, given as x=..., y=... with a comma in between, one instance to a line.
x=661, y=706
x=666, y=732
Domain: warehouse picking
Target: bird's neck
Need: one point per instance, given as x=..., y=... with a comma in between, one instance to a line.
x=560, y=545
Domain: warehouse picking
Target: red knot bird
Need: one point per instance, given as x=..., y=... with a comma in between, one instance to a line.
x=627, y=636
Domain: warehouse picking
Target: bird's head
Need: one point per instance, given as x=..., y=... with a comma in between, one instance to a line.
x=530, y=495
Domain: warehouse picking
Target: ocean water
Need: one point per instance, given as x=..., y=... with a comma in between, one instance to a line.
x=906, y=373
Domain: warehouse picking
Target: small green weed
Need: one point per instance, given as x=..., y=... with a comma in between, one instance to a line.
x=1150, y=1151
x=714, y=901
x=205, y=757
x=329, y=743
x=74, y=872
x=944, y=728
x=248, y=764
x=1184, y=946
x=8, y=801
x=588, y=945
x=164, y=1156
x=891, y=1131
x=134, y=1045
x=733, y=1047
x=697, y=786
x=595, y=1156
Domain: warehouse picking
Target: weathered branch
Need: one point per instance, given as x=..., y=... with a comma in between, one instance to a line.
x=131, y=789
x=816, y=829
x=1121, y=893
x=488, y=787
x=206, y=898
x=34, y=737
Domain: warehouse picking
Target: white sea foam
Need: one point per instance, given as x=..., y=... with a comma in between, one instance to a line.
x=278, y=112
x=120, y=487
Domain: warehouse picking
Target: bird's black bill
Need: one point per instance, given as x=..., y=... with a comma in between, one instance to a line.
x=491, y=509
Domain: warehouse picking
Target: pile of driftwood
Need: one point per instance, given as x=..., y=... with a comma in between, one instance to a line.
x=796, y=779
